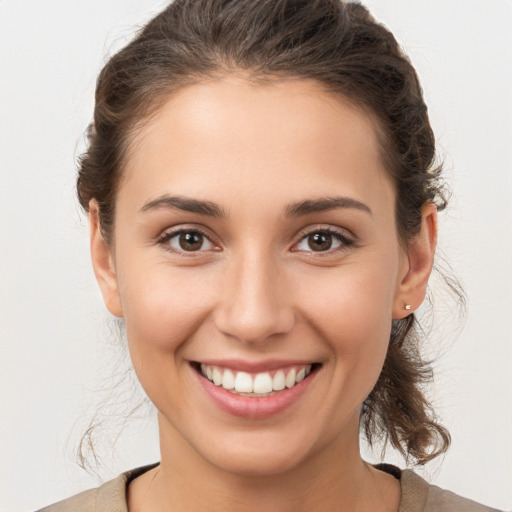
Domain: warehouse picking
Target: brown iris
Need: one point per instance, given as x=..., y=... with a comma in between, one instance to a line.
x=320, y=241
x=191, y=241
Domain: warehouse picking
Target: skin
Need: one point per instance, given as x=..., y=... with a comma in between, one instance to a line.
x=257, y=290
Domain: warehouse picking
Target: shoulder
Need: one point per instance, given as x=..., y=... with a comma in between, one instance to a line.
x=83, y=502
x=420, y=496
x=109, y=497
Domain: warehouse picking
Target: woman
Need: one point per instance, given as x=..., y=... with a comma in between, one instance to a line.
x=262, y=195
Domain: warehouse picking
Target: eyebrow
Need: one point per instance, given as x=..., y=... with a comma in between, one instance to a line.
x=210, y=209
x=185, y=204
x=325, y=204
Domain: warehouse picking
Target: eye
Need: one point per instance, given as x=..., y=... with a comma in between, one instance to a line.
x=323, y=240
x=187, y=240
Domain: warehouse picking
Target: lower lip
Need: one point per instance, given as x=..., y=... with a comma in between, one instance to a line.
x=257, y=407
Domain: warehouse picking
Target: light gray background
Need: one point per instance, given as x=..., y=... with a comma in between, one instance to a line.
x=55, y=339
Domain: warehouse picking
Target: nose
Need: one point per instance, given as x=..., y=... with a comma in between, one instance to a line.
x=254, y=306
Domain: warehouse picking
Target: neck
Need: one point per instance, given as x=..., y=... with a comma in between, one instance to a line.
x=335, y=478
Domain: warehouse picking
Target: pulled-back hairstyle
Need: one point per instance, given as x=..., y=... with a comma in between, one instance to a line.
x=341, y=47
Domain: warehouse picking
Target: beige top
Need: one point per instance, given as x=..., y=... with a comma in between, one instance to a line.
x=417, y=496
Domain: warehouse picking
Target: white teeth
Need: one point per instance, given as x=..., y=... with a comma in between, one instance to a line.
x=262, y=383
x=259, y=384
x=217, y=377
x=290, y=378
x=300, y=375
x=243, y=382
x=278, y=382
x=228, y=380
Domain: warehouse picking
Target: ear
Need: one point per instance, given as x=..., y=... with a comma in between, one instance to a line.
x=103, y=263
x=417, y=265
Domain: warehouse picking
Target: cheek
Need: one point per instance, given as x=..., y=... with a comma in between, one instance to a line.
x=352, y=301
x=352, y=313
x=163, y=308
x=162, y=305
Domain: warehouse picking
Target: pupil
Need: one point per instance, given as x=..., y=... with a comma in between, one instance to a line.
x=320, y=241
x=191, y=241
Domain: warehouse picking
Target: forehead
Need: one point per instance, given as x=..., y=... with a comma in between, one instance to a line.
x=224, y=132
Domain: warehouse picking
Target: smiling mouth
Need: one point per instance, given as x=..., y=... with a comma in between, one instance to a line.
x=256, y=385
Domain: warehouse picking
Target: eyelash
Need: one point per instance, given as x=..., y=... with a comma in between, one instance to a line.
x=338, y=236
x=169, y=235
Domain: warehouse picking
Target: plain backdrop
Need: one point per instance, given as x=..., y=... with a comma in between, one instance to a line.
x=57, y=342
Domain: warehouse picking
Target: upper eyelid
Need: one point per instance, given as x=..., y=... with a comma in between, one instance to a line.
x=168, y=234
x=342, y=232
x=349, y=240
x=171, y=231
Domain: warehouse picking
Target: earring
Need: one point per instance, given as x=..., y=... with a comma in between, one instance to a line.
x=407, y=307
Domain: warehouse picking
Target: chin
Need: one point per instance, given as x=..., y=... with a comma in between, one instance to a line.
x=259, y=454
x=257, y=465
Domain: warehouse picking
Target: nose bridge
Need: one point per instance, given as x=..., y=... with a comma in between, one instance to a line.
x=253, y=303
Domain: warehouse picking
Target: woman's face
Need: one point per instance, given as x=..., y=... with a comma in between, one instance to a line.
x=255, y=242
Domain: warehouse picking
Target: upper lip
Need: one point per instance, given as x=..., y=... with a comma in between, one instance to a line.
x=255, y=366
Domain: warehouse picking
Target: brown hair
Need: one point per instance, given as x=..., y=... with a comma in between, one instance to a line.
x=340, y=46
